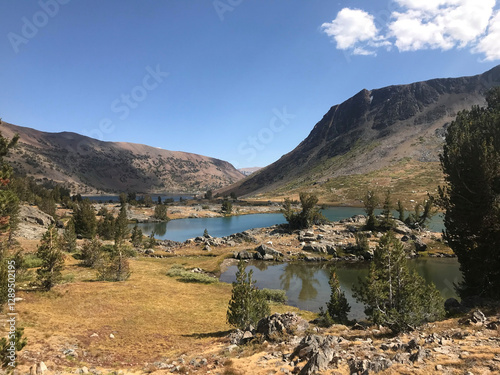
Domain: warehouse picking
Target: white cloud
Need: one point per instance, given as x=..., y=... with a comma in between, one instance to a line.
x=444, y=24
x=350, y=27
x=418, y=25
x=490, y=44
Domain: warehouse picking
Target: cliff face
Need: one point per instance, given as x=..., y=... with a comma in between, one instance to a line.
x=373, y=129
x=88, y=165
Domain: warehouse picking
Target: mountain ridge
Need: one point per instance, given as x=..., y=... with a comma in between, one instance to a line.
x=88, y=165
x=372, y=130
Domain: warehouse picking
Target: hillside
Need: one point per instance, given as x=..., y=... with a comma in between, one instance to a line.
x=87, y=165
x=396, y=130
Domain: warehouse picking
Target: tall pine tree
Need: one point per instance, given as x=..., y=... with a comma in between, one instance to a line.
x=50, y=252
x=471, y=197
x=247, y=305
x=393, y=295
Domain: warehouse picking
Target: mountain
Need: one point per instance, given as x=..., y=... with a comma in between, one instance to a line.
x=248, y=171
x=385, y=136
x=88, y=165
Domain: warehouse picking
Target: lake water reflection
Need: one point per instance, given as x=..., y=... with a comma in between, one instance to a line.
x=182, y=229
x=306, y=284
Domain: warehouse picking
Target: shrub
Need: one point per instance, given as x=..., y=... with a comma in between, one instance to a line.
x=189, y=277
x=274, y=295
x=309, y=214
x=31, y=260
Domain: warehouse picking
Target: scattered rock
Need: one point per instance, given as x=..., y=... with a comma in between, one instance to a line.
x=362, y=367
x=276, y=325
x=244, y=255
x=493, y=325
x=111, y=336
x=41, y=368
x=478, y=317
x=265, y=250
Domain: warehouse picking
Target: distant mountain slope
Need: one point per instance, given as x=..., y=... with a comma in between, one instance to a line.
x=87, y=165
x=373, y=130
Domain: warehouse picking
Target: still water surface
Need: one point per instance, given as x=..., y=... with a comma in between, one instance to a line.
x=306, y=284
x=182, y=229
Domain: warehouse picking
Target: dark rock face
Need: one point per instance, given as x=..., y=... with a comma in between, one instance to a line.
x=379, y=120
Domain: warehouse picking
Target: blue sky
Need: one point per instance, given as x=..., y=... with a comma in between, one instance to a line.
x=244, y=81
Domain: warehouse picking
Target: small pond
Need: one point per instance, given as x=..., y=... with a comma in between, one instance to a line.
x=306, y=284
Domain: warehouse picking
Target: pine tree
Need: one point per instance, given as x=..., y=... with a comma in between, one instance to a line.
x=387, y=220
x=247, y=306
x=49, y=251
x=370, y=203
x=338, y=308
x=401, y=211
x=471, y=165
x=227, y=207
x=115, y=267
x=92, y=253
x=160, y=212
x=106, y=226
x=69, y=237
x=394, y=296
x=136, y=237
x=121, y=227
x=84, y=219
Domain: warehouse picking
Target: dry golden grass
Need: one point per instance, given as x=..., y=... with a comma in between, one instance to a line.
x=152, y=316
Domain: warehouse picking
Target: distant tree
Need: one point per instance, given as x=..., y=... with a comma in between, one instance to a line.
x=423, y=212
x=471, y=197
x=50, y=252
x=121, y=227
x=337, y=307
x=136, y=237
x=114, y=267
x=92, y=252
x=84, y=219
x=151, y=241
x=393, y=295
x=159, y=199
x=205, y=233
x=209, y=195
x=69, y=237
x=47, y=205
x=233, y=195
x=160, y=212
x=370, y=203
x=123, y=198
x=148, y=201
x=106, y=226
x=401, y=211
x=387, y=221
x=77, y=198
x=247, y=306
x=309, y=215
x=227, y=207
x=362, y=244
x=131, y=197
